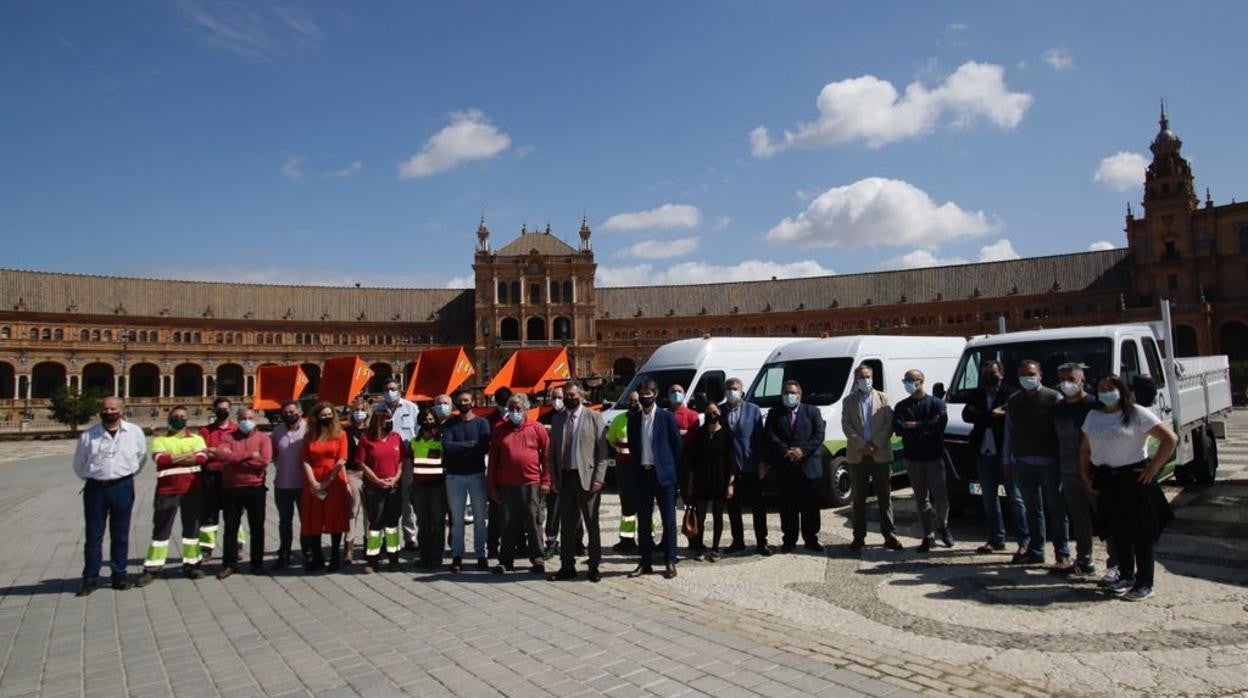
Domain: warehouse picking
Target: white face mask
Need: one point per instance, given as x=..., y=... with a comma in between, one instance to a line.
x=392, y=396
x=733, y=395
x=864, y=385
x=557, y=403
x=360, y=415
x=791, y=399
x=1029, y=382
x=1069, y=388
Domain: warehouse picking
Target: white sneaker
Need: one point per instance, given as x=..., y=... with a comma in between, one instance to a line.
x=1138, y=593
x=1122, y=586
x=1110, y=579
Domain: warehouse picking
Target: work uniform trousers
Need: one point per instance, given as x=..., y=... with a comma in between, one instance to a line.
x=864, y=478
x=164, y=508
x=799, y=505
x=931, y=494
x=522, y=516
x=251, y=500
x=107, y=503
x=382, y=509
x=748, y=493
x=627, y=476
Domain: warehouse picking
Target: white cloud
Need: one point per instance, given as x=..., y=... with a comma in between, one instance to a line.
x=1101, y=246
x=469, y=136
x=1059, y=58
x=665, y=216
x=661, y=249
x=877, y=211
x=347, y=172
x=293, y=167
x=869, y=109
x=999, y=251
x=701, y=273
x=721, y=224
x=462, y=282
x=1121, y=171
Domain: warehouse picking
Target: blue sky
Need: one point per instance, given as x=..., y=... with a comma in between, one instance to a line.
x=343, y=142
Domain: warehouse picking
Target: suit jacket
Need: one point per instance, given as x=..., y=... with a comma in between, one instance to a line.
x=806, y=433
x=665, y=444
x=589, y=442
x=879, y=432
x=747, y=437
x=977, y=414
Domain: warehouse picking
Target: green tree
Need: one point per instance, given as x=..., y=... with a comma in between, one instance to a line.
x=71, y=408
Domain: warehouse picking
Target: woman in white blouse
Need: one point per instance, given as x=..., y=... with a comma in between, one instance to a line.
x=1117, y=469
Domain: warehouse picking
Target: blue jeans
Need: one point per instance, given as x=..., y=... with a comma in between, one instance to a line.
x=992, y=476
x=459, y=488
x=1043, y=501
x=107, y=502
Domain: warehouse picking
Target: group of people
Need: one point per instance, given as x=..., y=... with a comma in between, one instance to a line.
x=396, y=473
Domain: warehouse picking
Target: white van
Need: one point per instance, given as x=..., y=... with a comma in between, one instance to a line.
x=701, y=366
x=1192, y=394
x=824, y=368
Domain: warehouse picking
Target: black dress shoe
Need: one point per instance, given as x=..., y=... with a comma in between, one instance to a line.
x=626, y=545
x=670, y=571
x=225, y=572
x=194, y=573
x=641, y=570
x=814, y=547
x=564, y=574
x=764, y=550
x=734, y=547
x=483, y=564
x=87, y=588
x=538, y=568
x=857, y=544
x=925, y=546
x=892, y=543
x=145, y=579
x=122, y=583
x=499, y=569
x=787, y=547
x=594, y=575
x=946, y=538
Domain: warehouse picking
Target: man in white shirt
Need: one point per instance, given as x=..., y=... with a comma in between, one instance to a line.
x=107, y=458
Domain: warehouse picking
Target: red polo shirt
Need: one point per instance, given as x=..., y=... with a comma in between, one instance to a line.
x=212, y=435
x=518, y=455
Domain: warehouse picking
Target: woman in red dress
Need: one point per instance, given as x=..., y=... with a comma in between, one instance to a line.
x=326, y=499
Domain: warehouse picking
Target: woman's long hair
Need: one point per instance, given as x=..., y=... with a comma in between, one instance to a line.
x=377, y=421
x=316, y=432
x=1126, y=398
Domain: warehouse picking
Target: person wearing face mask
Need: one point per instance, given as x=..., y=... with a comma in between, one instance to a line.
x=867, y=420
x=1068, y=418
x=428, y=488
x=711, y=479
x=1117, y=470
x=985, y=412
x=551, y=521
x=178, y=456
x=920, y=420
x=687, y=421
x=655, y=438
x=1029, y=450
x=494, y=529
x=359, y=412
x=465, y=443
x=406, y=416
x=578, y=468
x=625, y=476
x=518, y=478
x=287, y=441
x=106, y=459
x=380, y=457
x=245, y=456
x=326, y=502
x=212, y=492
x=744, y=421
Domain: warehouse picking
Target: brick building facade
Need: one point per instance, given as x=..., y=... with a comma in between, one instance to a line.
x=160, y=342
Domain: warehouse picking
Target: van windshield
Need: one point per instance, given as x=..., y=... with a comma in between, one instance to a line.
x=665, y=379
x=1093, y=353
x=822, y=380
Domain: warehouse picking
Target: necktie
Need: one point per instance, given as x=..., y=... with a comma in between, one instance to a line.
x=568, y=441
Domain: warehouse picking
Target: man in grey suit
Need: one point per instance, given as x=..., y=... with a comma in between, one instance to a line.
x=867, y=420
x=578, y=467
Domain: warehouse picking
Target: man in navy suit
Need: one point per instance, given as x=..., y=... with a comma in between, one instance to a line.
x=654, y=439
x=795, y=437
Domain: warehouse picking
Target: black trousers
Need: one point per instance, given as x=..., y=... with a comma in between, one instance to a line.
x=164, y=508
x=211, y=502
x=716, y=508
x=649, y=493
x=493, y=527
x=1122, y=501
x=799, y=505
x=577, y=506
x=522, y=515
x=429, y=500
x=288, y=500
x=251, y=500
x=748, y=492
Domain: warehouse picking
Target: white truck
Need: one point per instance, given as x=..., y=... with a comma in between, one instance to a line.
x=1193, y=395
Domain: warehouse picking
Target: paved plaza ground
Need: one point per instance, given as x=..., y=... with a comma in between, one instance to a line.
x=878, y=623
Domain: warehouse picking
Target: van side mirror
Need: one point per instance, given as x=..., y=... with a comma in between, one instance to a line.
x=938, y=391
x=1145, y=391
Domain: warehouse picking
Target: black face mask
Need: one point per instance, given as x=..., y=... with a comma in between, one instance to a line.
x=634, y=407
x=992, y=380
x=177, y=423
x=465, y=407
x=712, y=419
x=646, y=400
x=571, y=403
x=110, y=417
x=221, y=414
x=324, y=421
x=291, y=418
x=387, y=426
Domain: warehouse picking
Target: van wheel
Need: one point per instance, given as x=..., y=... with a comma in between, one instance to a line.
x=1204, y=468
x=836, y=490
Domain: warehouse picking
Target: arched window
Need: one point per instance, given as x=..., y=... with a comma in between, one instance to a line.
x=198, y=338
x=509, y=330
x=535, y=329
x=47, y=333
x=219, y=339
x=58, y=335
x=84, y=335
x=562, y=328
x=6, y=332
x=108, y=335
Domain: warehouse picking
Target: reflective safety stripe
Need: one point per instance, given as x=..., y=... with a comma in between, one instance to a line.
x=190, y=551
x=177, y=471
x=427, y=471
x=372, y=543
x=628, y=527
x=392, y=540
x=622, y=450
x=208, y=536
x=157, y=553
x=427, y=461
x=242, y=535
x=684, y=431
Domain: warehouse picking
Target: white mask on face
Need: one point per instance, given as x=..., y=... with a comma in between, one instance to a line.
x=557, y=403
x=1069, y=388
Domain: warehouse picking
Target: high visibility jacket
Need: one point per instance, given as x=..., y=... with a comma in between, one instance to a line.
x=617, y=437
x=177, y=478
x=426, y=459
